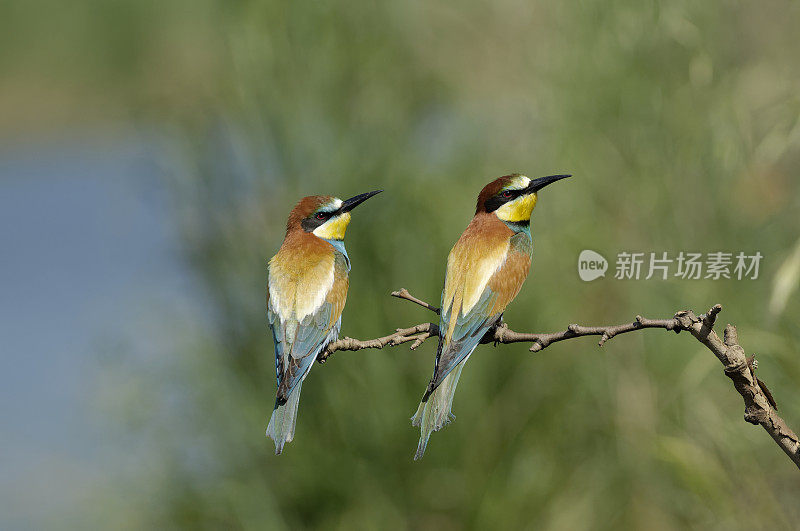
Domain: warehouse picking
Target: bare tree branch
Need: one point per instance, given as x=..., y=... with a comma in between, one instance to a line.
x=760, y=407
x=403, y=293
x=418, y=334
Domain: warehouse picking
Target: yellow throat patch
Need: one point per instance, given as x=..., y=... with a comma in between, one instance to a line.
x=517, y=210
x=334, y=228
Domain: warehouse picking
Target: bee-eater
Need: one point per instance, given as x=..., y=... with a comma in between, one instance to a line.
x=485, y=271
x=307, y=289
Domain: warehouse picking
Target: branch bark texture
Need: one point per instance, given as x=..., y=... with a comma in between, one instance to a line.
x=760, y=408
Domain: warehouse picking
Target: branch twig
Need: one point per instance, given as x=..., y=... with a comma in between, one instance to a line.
x=403, y=293
x=418, y=334
x=760, y=408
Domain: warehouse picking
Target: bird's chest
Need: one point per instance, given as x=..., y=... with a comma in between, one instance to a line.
x=298, y=285
x=521, y=242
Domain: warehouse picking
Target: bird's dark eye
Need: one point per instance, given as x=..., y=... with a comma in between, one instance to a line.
x=507, y=194
x=320, y=215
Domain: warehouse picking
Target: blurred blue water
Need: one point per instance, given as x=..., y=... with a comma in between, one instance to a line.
x=87, y=249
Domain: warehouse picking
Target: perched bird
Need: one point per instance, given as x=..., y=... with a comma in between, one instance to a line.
x=485, y=271
x=307, y=289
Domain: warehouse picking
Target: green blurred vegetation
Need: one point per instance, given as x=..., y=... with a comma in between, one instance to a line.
x=681, y=123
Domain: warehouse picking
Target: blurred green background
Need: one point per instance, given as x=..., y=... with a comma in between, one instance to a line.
x=679, y=120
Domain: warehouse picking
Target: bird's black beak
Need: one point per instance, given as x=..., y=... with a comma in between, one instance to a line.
x=353, y=202
x=541, y=182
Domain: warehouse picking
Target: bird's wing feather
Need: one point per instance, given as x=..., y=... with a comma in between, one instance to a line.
x=465, y=336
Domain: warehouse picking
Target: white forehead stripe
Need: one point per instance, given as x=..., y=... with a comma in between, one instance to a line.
x=331, y=206
x=522, y=181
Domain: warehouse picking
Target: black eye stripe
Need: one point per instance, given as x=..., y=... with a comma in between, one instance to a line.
x=312, y=222
x=496, y=201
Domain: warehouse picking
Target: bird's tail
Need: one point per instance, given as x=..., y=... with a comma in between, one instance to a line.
x=434, y=412
x=281, y=425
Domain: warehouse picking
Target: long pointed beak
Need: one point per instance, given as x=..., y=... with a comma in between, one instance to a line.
x=541, y=182
x=353, y=202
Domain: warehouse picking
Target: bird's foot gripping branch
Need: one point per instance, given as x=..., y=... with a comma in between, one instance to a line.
x=760, y=407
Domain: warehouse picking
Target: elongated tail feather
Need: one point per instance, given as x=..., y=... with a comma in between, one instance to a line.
x=434, y=413
x=281, y=425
